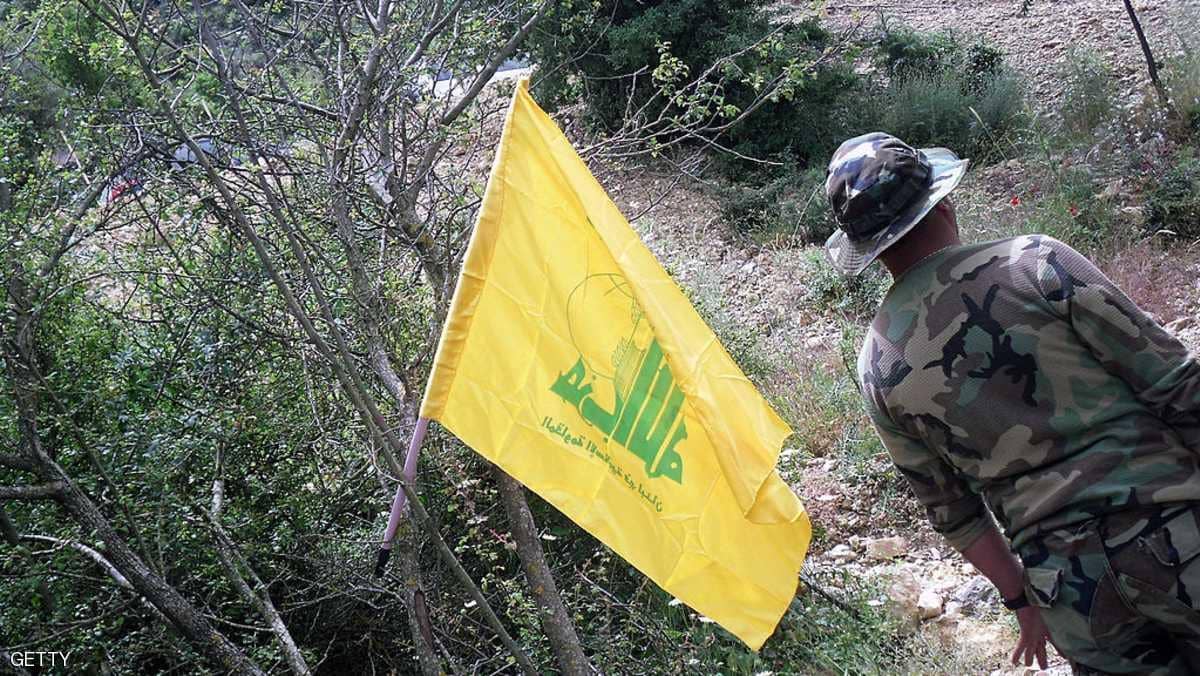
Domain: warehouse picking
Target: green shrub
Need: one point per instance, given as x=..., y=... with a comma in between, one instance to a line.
x=1183, y=84
x=1070, y=211
x=943, y=110
x=789, y=207
x=852, y=297
x=903, y=52
x=1174, y=202
x=826, y=108
x=982, y=63
x=940, y=92
x=1088, y=92
x=586, y=55
x=930, y=109
x=1000, y=108
x=1182, y=71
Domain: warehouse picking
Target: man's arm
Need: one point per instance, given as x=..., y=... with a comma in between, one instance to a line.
x=959, y=514
x=991, y=556
x=1125, y=340
x=955, y=511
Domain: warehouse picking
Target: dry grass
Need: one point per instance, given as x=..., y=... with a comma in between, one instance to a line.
x=1159, y=280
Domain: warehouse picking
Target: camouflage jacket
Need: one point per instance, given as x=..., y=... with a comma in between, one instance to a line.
x=1015, y=374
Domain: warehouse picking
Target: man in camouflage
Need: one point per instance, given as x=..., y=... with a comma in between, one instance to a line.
x=1012, y=379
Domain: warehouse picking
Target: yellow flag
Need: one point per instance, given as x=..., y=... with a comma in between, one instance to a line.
x=571, y=360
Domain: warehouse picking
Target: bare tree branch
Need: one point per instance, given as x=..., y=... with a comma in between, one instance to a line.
x=257, y=595
x=104, y=564
x=47, y=491
x=17, y=462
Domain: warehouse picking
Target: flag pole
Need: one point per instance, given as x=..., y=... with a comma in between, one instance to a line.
x=401, y=500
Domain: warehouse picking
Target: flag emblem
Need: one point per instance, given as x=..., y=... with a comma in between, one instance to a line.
x=620, y=386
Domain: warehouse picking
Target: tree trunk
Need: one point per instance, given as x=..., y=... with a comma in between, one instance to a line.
x=1151, y=64
x=556, y=621
x=419, y=626
x=250, y=585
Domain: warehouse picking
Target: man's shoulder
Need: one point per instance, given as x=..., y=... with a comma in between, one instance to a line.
x=926, y=297
x=1017, y=260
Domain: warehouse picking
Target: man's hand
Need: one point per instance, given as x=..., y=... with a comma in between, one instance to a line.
x=1032, y=643
x=989, y=553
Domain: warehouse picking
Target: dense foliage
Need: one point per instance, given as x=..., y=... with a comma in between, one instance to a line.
x=768, y=85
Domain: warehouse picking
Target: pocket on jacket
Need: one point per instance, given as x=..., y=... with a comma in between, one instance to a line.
x=1042, y=586
x=1176, y=542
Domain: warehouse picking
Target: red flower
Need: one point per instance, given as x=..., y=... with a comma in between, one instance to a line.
x=1015, y=201
x=1074, y=210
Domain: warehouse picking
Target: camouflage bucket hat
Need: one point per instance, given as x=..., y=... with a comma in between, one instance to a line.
x=879, y=188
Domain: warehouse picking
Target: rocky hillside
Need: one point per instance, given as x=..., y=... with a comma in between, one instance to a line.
x=871, y=529
x=1037, y=41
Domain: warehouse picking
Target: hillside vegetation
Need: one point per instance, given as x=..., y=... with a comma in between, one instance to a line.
x=230, y=235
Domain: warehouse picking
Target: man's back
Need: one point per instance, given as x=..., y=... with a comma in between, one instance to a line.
x=1016, y=371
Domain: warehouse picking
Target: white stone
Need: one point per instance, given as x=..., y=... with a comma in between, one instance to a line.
x=1113, y=189
x=1134, y=215
x=929, y=604
x=842, y=553
x=904, y=593
x=1180, y=324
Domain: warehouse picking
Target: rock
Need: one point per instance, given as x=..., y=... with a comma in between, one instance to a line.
x=952, y=610
x=748, y=267
x=929, y=604
x=945, y=628
x=1180, y=324
x=1113, y=190
x=828, y=497
x=884, y=549
x=814, y=342
x=904, y=593
x=842, y=553
x=1134, y=215
x=980, y=636
x=974, y=594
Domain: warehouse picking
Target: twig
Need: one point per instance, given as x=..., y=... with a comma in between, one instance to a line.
x=830, y=597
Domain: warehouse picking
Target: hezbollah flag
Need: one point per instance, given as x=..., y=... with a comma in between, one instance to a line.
x=571, y=360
